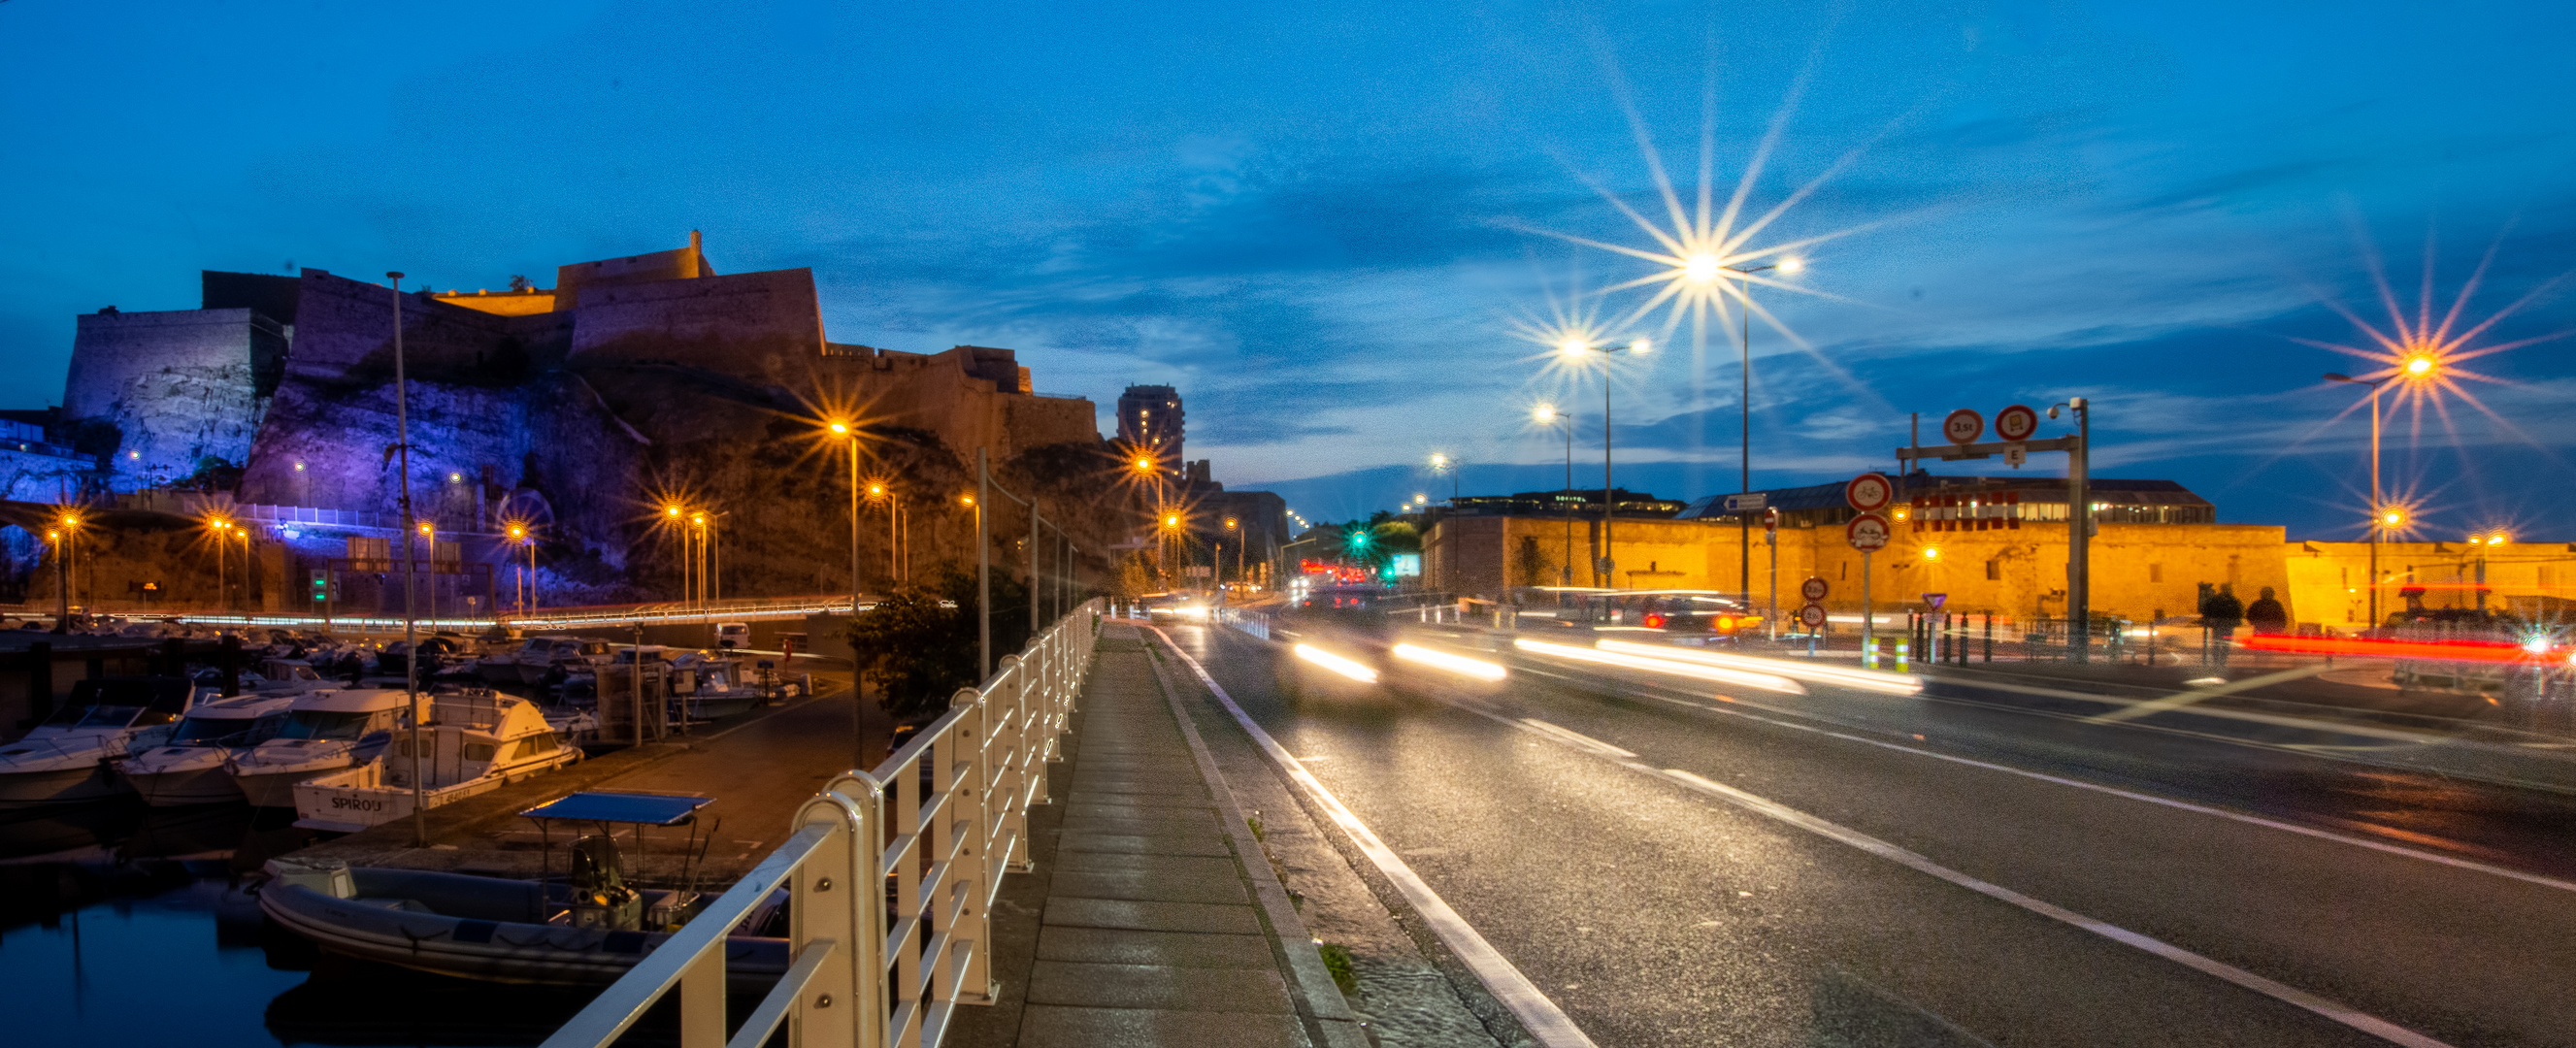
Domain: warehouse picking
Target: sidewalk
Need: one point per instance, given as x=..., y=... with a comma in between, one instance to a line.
x=1158, y=920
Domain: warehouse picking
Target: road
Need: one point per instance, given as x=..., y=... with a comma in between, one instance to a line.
x=1608, y=833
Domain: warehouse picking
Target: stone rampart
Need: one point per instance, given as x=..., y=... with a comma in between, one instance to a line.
x=178, y=386
x=766, y=326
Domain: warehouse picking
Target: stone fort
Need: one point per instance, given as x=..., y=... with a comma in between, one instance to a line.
x=289, y=378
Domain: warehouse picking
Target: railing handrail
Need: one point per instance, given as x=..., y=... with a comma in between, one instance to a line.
x=860, y=975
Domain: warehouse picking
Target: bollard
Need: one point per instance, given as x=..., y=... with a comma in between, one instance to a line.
x=1904, y=657
x=1869, y=655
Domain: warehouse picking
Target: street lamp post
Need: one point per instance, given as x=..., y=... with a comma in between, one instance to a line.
x=1605, y=570
x=411, y=619
x=1546, y=415
x=847, y=430
x=1744, y=411
x=2380, y=515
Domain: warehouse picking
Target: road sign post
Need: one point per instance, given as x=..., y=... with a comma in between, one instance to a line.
x=1867, y=533
x=2015, y=424
x=1771, y=538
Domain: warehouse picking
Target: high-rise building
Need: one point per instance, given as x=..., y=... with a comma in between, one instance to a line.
x=1149, y=418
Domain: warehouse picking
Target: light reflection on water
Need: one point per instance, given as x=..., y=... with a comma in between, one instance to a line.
x=125, y=925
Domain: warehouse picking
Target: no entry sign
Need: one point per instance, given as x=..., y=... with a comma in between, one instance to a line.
x=1963, y=426
x=2017, y=422
x=1867, y=533
x=1869, y=492
x=1814, y=589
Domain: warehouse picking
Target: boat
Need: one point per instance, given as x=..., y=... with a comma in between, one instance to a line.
x=472, y=743
x=192, y=766
x=585, y=932
x=66, y=760
x=289, y=677
x=325, y=731
x=706, y=687
x=575, y=655
x=502, y=667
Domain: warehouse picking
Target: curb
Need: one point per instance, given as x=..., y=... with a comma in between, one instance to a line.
x=1327, y=1015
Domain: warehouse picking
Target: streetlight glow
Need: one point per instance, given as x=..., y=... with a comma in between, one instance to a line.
x=2421, y=365
x=1543, y=414
x=840, y=427
x=1641, y=347
x=1792, y=265
x=1571, y=347
x=1700, y=268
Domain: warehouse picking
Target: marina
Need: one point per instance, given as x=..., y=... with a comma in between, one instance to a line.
x=254, y=853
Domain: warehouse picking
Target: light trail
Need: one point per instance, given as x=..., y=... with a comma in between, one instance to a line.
x=1673, y=667
x=1865, y=680
x=1336, y=663
x=1458, y=664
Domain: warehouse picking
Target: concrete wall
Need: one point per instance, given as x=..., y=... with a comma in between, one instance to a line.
x=179, y=386
x=2331, y=579
x=2139, y=570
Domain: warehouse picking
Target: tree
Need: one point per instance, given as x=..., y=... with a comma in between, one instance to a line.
x=919, y=644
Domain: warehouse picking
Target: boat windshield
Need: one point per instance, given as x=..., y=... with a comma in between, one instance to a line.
x=324, y=724
x=209, y=729
x=93, y=716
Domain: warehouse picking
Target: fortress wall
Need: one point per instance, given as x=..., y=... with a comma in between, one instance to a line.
x=766, y=326
x=344, y=332
x=179, y=385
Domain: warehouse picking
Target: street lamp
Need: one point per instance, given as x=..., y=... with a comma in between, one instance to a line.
x=844, y=429
x=1575, y=349
x=1547, y=415
x=881, y=491
x=1744, y=412
x=2382, y=516
x=528, y=577
x=1443, y=464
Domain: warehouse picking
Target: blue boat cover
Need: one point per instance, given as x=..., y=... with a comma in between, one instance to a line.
x=650, y=809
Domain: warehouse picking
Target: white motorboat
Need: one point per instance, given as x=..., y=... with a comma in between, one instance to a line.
x=502, y=667
x=67, y=759
x=326, y=731
x=289, y=677
x=707, y=687
x=575, y=655
x=192, y=767
x=471, y=744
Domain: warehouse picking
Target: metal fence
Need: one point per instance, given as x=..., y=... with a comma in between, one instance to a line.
x=889, y=875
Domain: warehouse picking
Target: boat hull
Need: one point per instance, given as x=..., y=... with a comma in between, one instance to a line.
x=181, y=787
x=276, y=789
x=37, y=789
x=480, y=947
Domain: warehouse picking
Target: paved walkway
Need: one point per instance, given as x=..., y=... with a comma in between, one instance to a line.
x=1163, y=922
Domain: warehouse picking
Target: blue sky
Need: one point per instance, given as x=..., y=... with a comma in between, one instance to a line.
x=1321, y=220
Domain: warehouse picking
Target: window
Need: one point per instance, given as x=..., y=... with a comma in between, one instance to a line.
x=1994, y=570
x=2155, y=573
x=478, y=751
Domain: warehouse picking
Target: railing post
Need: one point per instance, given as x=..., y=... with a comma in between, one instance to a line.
x=968, y=885
x=828, y=899
x=1020, y=767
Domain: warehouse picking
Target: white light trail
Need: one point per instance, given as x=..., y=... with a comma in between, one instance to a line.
x=1336, y=663
x=1865, y=680
x=1674, y=667
x=1458, y=664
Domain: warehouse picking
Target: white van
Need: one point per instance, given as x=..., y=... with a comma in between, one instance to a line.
x=733, y=634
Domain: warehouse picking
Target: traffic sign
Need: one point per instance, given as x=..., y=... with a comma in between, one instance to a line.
x=1867, y=533
x=1746, y=503
x=2017, y=422
x=1933, y=600
x=1814, y=589
x=1963, y=426
x=1869, y=492
x=1812, y=616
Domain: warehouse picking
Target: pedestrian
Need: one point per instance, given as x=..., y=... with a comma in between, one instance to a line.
x=2220, y=614
x=2267, y=615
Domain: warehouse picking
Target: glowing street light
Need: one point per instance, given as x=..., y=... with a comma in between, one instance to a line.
x=845, y=429
x=1606, y=569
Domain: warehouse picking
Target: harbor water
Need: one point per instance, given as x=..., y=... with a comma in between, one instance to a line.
x=127, y=925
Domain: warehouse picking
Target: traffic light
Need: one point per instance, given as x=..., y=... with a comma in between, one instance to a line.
x=321, y=585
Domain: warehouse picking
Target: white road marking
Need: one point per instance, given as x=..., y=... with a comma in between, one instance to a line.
x=1576, y=739
x=2216, y=688
x=2201, y=809
x=1774, y=810
x=1539, y=1015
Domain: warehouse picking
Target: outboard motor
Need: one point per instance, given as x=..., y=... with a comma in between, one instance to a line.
x=600, y=898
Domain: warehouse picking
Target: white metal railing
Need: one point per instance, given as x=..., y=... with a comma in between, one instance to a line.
x=940, y=822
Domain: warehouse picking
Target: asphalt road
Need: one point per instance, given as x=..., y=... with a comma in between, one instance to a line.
x=1657, y=912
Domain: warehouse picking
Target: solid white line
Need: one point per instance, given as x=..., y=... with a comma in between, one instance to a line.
x=1577, y=739
x=1763, y=806
x=2201, y=809
x=1538, y=1015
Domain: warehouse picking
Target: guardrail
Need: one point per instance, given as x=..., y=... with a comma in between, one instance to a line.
x=939, y=822
x=743, y=609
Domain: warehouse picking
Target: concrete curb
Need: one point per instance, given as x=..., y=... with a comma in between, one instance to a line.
x=1328, y=1017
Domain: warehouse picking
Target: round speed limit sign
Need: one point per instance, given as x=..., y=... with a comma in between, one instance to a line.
x=1812, y=616
x=1814, y=589
x=1963, y=426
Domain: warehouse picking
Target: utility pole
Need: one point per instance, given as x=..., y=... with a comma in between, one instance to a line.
x=2079, y=535
x=411, y=624
x=983, y=565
